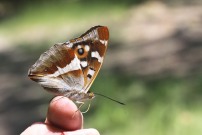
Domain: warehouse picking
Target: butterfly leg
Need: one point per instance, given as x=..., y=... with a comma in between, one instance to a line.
x=81, y=104
x=87, y=109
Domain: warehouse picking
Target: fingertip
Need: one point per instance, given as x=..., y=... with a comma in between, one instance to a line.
x=62, y=113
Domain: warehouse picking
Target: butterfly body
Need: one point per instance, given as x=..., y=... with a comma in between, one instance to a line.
x=69, y=68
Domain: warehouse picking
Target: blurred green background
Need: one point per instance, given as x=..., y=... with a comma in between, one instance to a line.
x=153, y=63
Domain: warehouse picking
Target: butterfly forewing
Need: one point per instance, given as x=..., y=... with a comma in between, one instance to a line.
x=94, y=42
x=99, y=41
x=73, y=65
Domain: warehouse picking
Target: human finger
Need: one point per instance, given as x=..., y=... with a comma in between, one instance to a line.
x=64, y=114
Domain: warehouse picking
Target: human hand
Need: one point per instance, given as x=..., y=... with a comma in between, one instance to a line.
x=60, y=120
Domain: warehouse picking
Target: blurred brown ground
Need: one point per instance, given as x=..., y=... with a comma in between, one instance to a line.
x=158, y=40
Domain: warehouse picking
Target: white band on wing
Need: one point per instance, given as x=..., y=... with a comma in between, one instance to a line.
x=97, y=55
x=74, y=65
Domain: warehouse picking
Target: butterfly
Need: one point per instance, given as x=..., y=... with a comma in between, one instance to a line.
x=69, y=68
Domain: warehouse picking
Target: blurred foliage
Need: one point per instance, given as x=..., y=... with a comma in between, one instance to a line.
x=159, y=106
x=154, y=105
x=12, y=7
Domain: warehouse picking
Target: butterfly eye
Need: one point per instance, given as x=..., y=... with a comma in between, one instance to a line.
x=80, y=51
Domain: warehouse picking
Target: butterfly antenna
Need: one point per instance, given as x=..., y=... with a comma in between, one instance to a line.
x=109, y=98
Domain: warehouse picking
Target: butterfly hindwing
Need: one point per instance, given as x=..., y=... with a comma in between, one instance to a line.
x=53, y=70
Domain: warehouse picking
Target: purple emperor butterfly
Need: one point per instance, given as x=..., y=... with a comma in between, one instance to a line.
x=69, y=68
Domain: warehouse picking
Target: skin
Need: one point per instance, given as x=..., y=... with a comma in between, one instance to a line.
x=63, y=118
